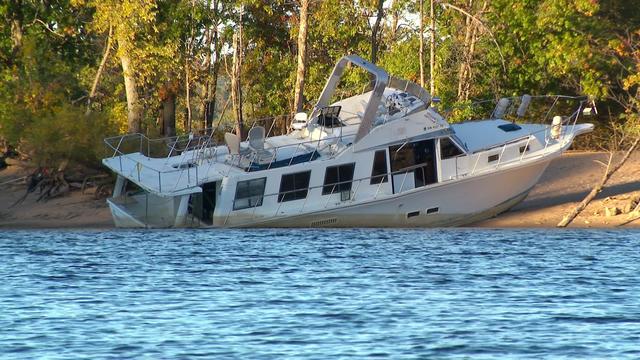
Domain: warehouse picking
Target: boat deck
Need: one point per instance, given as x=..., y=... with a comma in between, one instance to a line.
x=492, y=134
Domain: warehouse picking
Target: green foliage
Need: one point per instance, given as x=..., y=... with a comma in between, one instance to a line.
x=38, y=92
x=65, y=132
x=334, y=34
x=401, y=60
x=581, y=47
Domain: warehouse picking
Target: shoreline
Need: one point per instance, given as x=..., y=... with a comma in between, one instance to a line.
x=566, y=182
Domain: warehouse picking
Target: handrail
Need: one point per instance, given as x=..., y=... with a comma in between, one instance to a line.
x=446, y=112
x=207, y=133
x=477, y=154
x=196, y=148
x=574, y=116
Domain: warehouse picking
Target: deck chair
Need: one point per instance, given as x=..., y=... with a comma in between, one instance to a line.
x=256, y=138
x=233, y=142
x=501, y=108
x=236, y=153
x=256, y=144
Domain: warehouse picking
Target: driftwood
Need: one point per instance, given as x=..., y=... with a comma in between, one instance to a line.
x=599, y=186
x=51, y=184
x=633, y=215
x=33, y=182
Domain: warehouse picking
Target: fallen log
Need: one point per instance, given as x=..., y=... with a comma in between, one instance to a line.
x=599, y=186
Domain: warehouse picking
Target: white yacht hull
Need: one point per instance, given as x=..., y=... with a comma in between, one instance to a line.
x=458, y=202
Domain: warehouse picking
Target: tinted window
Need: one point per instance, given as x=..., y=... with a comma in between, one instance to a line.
x=418, y=157
x=509, y=127
x=338, y=179
x=294, y=186
x=249, y=193
x=379, y=171
x=449, y=149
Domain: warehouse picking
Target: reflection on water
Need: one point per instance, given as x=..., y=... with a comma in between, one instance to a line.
x=306, y=293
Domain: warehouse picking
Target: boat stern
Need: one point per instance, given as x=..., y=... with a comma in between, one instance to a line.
x=135, y=207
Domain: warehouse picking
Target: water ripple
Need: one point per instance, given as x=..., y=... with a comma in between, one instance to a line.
x=318, y=294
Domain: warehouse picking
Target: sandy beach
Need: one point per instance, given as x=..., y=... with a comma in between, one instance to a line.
x=74, y=210
x=565, y=183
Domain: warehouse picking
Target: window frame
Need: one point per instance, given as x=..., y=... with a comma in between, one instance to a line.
x=343, y=185
x=250, y=204
x=379, y=177
x=295, y=193
x=455, y=145
x=406, y=159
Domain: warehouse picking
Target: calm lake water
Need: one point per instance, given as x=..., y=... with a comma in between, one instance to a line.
x=317, y=294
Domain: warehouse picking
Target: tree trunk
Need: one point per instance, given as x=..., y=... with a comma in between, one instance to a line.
x=465, y=52
x=134, y=113
x=302, y=57
x=236, y=88
x=187, y=86
x=432, y=57
x=395, y=19
x=169, y=112
x=16, y=18
x=212, y=85
x=466, y=88
x=421, y=53
x=213, y=66
x=471, y=38
x=103, y=62
x=374, y=32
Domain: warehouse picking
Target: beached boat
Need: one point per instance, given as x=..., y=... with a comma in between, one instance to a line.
x=384, y=158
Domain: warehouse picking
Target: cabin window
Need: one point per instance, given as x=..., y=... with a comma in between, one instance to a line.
x=249, y=193
x=337, y=179
x=493, y=158
x=379, y=171
x=524, y=148
x=294, y=186
x=449, y=149
x=417, y=157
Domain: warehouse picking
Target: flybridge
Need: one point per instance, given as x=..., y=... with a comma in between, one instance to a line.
x=382, y=81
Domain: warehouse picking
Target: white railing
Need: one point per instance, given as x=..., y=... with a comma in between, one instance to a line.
x=193, y=150
x=535, y=107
